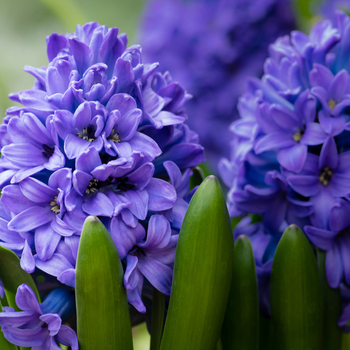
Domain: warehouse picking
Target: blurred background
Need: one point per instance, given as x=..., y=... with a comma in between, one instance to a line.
x=25, y=24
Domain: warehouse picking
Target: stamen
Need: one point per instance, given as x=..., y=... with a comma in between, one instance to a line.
x=87, y=135
x=92, y=186
x=325, y=176
x=55, y=208
x=114, y=136
x=331, y=104
x=297, y=136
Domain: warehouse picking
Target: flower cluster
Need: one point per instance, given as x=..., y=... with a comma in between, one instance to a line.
x=100, y=133
x=39, y=325
x=210, y=47
x=291, y=150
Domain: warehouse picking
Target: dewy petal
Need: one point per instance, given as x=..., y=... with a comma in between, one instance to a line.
x=53, y=322
x=338, y=85
x=313, y=135
x=25, y=337
x=339, y=185
x=125, y=237
x=293, y=158
x=157, y=273
x=46, y=241
x=142, y=175
x=144, y=144
x=162, y=195
x=334, y=267
x=99, y=205
x=332, y=125
x=128, y=124
x=274, y=140
x=55, y=266
x=139, y=202
x=74, y=146
x=158, y=233
x=68, y=337
x=322, y=239
x=306, y=185
x=24, y=154
x=27, y=260
x=329, y=154
x=26, y=299
x=37, y=191
x=30, y=219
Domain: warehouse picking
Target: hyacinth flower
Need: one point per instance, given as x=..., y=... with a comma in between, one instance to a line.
x=92, y=137
x=210, y=47
x=294, y=122
x=39, y=326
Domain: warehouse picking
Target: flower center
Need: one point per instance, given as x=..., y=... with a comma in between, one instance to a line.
x=326, y=175
x=92, y=186
x=88, y=134
x=54, y=206
x=297, y=136
x=114, y=136
x=331, y=104
x=48, y=151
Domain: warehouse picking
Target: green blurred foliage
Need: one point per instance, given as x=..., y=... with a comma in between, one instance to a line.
x=25, y=24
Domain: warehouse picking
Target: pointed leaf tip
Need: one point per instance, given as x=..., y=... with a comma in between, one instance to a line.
x=202, y=272
x=103, y=318
x=296, y=294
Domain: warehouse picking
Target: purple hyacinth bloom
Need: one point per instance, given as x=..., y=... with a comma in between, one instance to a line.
x=290, y=149
x=40, y=208
x=210, y=47
x=93, y=137
x=32, y=148
x=335, y=240
x=39, y=326
x=323, y=179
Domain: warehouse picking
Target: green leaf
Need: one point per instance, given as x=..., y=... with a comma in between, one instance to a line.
x=296, y=294
x=241, y=325
x=265, y=333
x=4, y=343
x=103, y=318
x=345, y=341
x=332, y=334
x=158, y=316
x=202, y=273
x=12, y=276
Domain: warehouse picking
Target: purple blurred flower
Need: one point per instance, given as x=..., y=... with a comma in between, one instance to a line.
x=290, y=150
x=39, y=325
x=92, y=137
x=210, y=47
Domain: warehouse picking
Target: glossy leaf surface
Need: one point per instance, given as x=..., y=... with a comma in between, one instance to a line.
x=202, y=273
x=241, y=325
x=296, y=294
x=102, y=309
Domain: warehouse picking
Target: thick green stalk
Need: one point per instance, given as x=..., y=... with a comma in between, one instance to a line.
x=241, y=325
x=296, y=294
x=158, y=316
x=202, y=273
x=103, y=318
x=332, y=334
